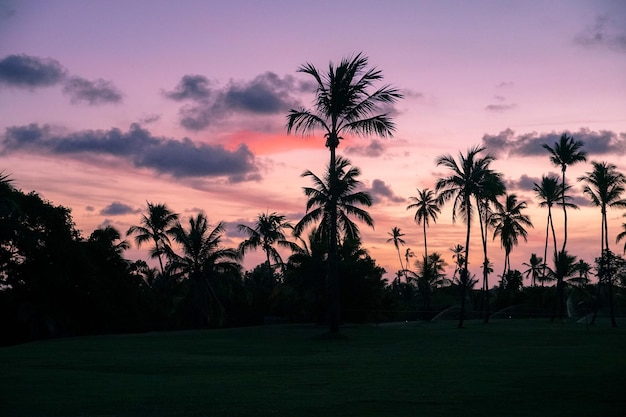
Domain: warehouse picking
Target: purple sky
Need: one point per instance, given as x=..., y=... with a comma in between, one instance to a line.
x=107, y=105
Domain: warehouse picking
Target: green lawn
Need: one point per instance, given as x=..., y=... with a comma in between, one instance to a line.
x=506, y=368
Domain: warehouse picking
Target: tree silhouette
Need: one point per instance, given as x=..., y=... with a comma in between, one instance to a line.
x=396, y=238
x=427, y=207
x=344, y=104
x=331, y=203
x=549, y=193
x=155, y=227
x=466, y=181
x=509, y=223
x=564, y=153
x=268, y=232
x=203, y=258
x=535, y=265
x=605, y=186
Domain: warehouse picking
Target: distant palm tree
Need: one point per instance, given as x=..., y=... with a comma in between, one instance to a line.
x=510, y=223
x=583, y=269
x=268, y=231
x=564, y=267
x=332, y=202
x=457, y=255
x=605, y=186
x=535, y=265
x=396, y=238
x=549, y=193
x=427, y=207
x=108, y=236
x=565, y=152
x=202, y=259
x=464, y=183
x=407, y=255
x=155, y=226
x=344, y=104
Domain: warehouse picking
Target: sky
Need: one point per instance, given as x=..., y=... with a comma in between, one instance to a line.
x=105, y=106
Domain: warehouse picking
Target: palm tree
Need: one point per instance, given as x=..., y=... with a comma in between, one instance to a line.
x=549, y=193
x=565, y=152
x=605, y=186
x=107, y=236
x=268, y=231
x=427, y=207
x=535, y=265
x=407, y=255
x=202, y=259
x=396, y=238
x=457, y=255
x=155, y=227
x=583, y=269
x=492, y=187
x=509, y=223
x=344, y=104
x=332, y=202
x=464, y=183
x=564, y=267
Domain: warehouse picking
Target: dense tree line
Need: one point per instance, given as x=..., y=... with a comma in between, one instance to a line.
x=55, y=282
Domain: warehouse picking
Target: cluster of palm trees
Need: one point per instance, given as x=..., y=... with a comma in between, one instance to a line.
x=477, y=191
x=347, y=103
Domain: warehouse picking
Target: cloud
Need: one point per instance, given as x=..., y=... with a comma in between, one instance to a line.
x=24, y=71
x=381, y=191
x=190, y=87
x=605, y=32
x=180, y=159
x=117, y=209
x=524, y=183
x=507, y=143
x=266, y=94
x=499, y=108
x=92, y=92
x=505, y=84
x=374, y=149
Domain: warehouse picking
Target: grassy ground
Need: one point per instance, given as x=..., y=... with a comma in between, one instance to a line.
x=506, y=368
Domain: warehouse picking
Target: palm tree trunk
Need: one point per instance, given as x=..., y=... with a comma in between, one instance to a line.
x=465, y=273
x=400, y=259
x=564, y=215
x=425, y=245
x=333, y=255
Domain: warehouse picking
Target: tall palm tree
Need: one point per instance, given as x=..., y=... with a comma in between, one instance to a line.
x=535, y=265
x=605, y=186
x=344, y=104
x=268, y=232
x=510, y=223
x=155, y=227
x=332, y=202
x=491, y=188
x=565, y=152
x=396, y=238
x=427, y=207
x=549, y=193
x=202, y=259
x=464, y=183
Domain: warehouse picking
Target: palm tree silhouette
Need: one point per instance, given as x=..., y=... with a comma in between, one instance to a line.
x=344, y=104
x=509, y=223
x=535, y=264
x=427, y=207
x=464, y=183
x=565, y=152
x=332, y=202
x=155, y=227
x=549, y=193
x=202, y=259
x=268, y=232
x=605, y=186
x=396, y=238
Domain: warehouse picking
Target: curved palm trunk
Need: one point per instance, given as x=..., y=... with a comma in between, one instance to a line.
x=400, y=259
x=485, y=289
x=564, y=213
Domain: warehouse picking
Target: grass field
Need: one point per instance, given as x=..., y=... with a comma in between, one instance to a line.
x=505, y=368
